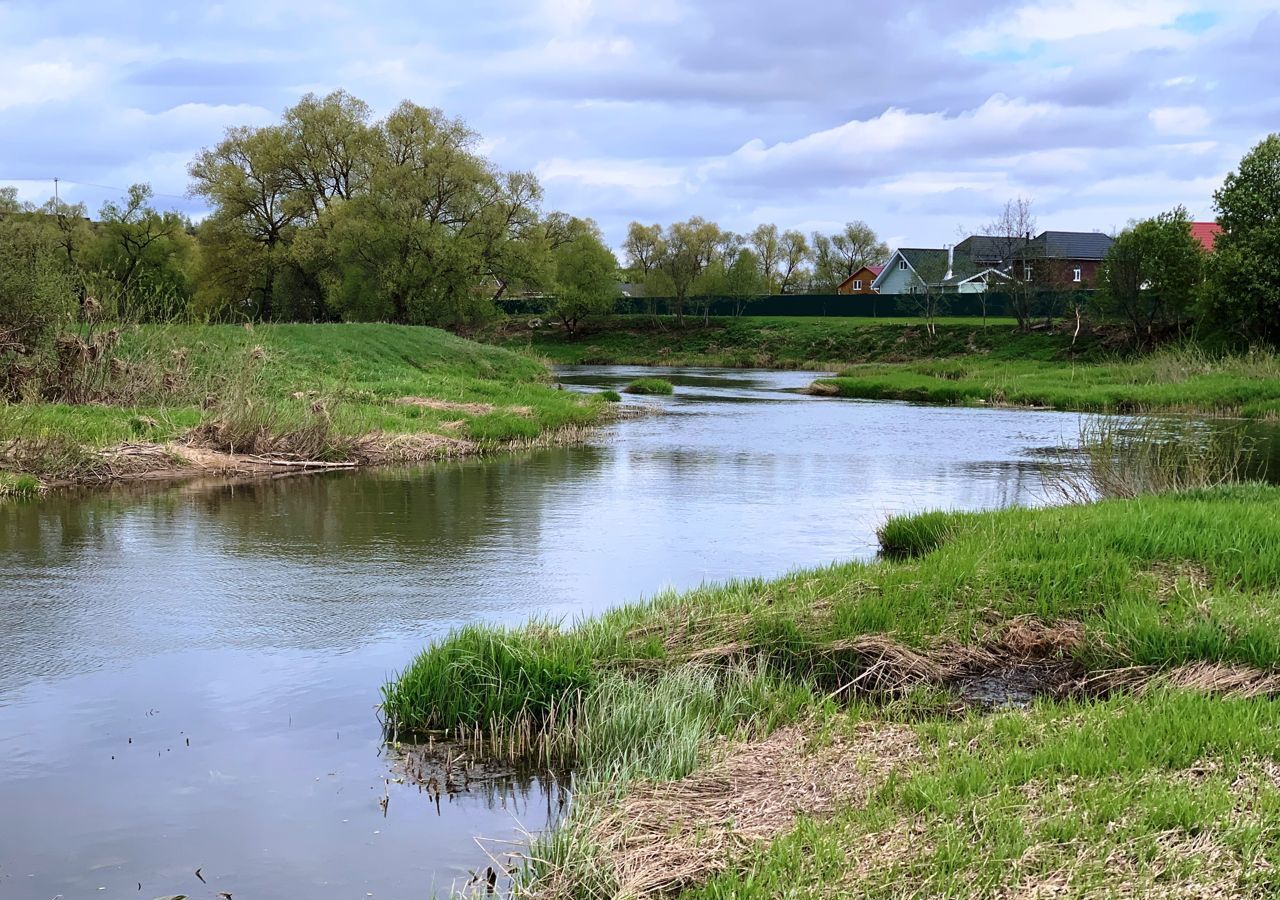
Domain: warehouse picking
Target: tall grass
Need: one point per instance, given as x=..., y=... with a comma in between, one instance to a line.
x=1128, y=458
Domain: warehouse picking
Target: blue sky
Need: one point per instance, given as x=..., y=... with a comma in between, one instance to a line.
x=919, y=117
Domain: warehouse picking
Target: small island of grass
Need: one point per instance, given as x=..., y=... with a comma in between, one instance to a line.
x=650, y=386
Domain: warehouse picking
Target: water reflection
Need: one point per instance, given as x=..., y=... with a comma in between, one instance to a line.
x=191, y=672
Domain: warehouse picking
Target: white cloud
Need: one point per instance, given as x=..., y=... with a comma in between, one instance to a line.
x=1180, y=120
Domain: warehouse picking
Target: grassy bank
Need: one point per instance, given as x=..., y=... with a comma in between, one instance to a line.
x=324, y=393
x=807, y=735
x=781, y=342
x=1184, y=380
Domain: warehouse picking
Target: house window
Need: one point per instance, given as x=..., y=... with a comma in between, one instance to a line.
x=902, y=264
x=857, y=285
x=1076, y=275
x=1026, y=273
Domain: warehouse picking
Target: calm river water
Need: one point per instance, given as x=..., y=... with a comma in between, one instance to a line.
x=189, y=674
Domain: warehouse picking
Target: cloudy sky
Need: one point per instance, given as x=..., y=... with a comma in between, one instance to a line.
x=919, y=117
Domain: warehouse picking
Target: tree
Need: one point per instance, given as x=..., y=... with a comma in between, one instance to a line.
x=37, y=296
x=838, y=256
x=585, y=274
x=244, y=242
x=768, y=253
x=644, y=249
x=687, y=249
x=142, y=256
x=1244, y=271
x=928, y=295
x=744, y=280
x=1010, y=250
x=1152, y=274
x=795, y=253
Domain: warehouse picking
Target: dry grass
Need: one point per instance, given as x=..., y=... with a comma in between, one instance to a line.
x=663, y=837
x=1218, y=679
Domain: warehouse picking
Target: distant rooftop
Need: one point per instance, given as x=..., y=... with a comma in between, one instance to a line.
x=1206, y=233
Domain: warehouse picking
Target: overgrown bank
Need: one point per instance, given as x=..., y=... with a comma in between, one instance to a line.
x=781, y=342
x=119, y=403
x=1175, y=379
x=807, y=735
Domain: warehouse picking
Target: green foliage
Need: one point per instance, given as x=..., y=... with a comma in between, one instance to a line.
x=611, y=396
x=1152, y=275
x=37, y=299
x=332, y=214
x=1244, y=271
x=649, y=386
x=585, y=282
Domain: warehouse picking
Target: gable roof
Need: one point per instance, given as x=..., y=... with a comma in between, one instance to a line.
x=1070, y=245
x=1206, y=233
x=931, y=264
x=874, y=270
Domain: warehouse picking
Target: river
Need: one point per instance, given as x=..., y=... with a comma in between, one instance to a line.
x=189, y=673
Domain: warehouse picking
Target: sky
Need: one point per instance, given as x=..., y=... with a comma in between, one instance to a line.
x=920, y=117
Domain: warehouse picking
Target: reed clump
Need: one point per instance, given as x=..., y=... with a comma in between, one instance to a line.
x=1130, y=457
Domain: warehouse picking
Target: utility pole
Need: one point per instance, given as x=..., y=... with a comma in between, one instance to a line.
x=55, y=194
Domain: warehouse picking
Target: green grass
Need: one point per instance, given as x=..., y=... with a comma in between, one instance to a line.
x=1157, y=581
x=288, y=378
x=781, y=342
x=1173, y=792
x=650, y=386
x=1183, y=380
x=18, y=486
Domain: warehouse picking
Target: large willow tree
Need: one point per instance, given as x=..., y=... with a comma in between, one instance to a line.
x=331, y=214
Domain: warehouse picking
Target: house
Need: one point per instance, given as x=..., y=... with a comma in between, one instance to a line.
x=1206, y=233
x=1062, y=260
x=911, y=267
x=860, y=281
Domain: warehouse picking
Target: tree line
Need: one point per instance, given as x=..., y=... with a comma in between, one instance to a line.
x=698, y=260
x=328, y=215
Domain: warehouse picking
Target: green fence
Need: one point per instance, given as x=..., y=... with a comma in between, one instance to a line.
x=1044, y=304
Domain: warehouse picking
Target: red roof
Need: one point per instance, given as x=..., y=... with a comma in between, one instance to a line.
x=1205, y=232
x=876, y=269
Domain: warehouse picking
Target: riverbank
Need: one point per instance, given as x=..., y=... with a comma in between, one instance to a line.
x=781, y=342
x=1173, y=380
x=827, y=732
x=162, y=401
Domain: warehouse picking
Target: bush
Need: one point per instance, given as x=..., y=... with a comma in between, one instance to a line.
x=611, y=396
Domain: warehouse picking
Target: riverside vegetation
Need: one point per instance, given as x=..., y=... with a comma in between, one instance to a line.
x=120, y=402
x=832, y=732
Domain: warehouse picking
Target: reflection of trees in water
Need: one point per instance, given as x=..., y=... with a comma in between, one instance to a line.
x=443, y=507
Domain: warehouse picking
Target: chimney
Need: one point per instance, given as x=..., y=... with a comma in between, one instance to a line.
x=951, y=260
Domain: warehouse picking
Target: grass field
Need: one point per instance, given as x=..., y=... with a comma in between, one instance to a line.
x=779, y=341
x=1170, y=380
x=309, y=389
x=806, y=736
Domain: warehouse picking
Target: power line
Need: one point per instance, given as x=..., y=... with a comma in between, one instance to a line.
x=105, y=187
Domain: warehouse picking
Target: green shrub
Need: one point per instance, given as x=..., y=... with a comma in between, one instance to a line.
x=611, y=396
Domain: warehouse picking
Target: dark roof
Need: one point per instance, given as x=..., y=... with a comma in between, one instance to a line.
x=1071, y=245
x=931, y=264
x=985, y=249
